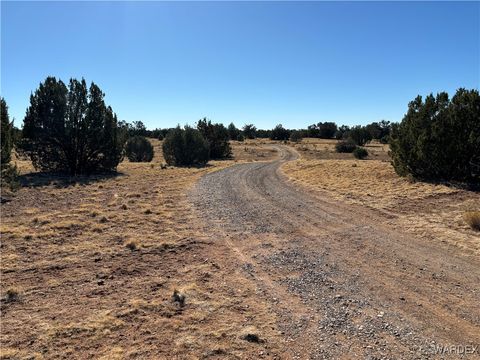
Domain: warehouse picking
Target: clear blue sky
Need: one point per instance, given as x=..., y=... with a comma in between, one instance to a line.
x=248, y=62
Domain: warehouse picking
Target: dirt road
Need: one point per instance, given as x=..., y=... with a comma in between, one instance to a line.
x=342, y=280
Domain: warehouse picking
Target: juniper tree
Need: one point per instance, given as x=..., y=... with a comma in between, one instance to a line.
x=71, y=130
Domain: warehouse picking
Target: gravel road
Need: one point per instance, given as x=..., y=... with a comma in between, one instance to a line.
x=343, y=280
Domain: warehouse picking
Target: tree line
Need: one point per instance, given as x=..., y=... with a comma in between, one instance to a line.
x=68, y=128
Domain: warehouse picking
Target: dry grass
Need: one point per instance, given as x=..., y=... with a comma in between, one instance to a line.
x=68, y=245
x=433, y=211
x=472, y=218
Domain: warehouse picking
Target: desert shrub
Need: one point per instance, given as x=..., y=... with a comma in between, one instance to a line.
x=345, y=146
x=233, y=132
x=139, y=149
x=439, y=138
x=379, y=130
x=472, y=218
x=279, y=133
x=342, y=132
x=240, y=137
x=71, y=130
x=218, y=138
x=184, y=147
x=359, y=135
x=325, y=130
x=8, y=171
x=249, y=131
x=296, y=136
x=360, y=153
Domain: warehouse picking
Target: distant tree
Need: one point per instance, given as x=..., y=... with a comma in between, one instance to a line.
x=249, y=131
x=6, y=135
x=279, y=133
x=342, y=132
x=327, y=130
x=71, y=130
x=439, y=139
x=263, y=134
x=138, y=128
x=185, y=147
x=240, y=137
x=217, y=136
x=296, y=136
x=8, y=172
x=233, y=132
x=313, y=131
x=139, y=149
x=359, y=135
x=379, y=130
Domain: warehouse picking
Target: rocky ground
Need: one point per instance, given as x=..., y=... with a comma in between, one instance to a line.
x=342, y=279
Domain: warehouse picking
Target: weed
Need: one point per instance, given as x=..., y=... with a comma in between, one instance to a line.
x=12, y=295
x=178, y=298
x=132, y=244
x=472, y=218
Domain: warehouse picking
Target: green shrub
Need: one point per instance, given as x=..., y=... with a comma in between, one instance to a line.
x=345, y=146
x=139, y=149
x=218, y=138
x=296, y=136
x=185, y=147
x=240, y=137
x=439, y=138
x=279, y=133
x=71, y=130
x=359, y=135
x=360, y=153
x=8, y=174
x=233, y=132
x=249, y=131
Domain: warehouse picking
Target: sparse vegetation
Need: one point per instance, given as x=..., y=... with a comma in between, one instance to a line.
x=12, y=295
x=139, y=149
x=472, y=218
x=178, y=298
x=345, y=146
x=132, y=244
x=296, y=136
x=360, y=153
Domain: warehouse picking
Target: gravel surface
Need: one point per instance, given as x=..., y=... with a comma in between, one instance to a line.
x=341, y=279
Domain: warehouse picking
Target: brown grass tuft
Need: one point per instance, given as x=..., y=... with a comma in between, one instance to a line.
x=472, y=218
x=178, y=298
x=12, y=295
x=132, y=244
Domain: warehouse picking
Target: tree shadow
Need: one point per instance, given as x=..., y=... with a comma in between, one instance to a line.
x=41, y=179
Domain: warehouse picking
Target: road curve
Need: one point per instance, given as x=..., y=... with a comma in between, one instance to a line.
x=344, y=282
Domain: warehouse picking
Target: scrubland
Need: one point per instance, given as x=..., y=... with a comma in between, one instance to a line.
x=89, y=267
x=434, y=211
x=126, y=266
